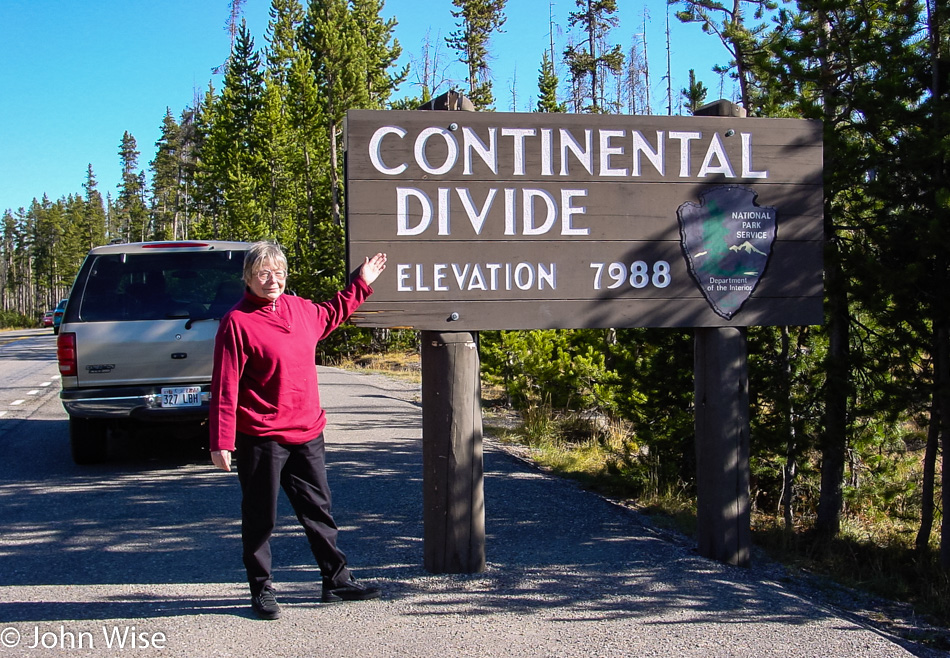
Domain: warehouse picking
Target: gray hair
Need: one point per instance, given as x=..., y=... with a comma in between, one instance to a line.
x=260, y=253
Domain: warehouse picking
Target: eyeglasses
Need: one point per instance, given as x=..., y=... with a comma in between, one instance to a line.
x=264, y=275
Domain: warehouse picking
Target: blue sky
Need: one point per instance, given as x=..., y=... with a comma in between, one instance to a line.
x=75, y=75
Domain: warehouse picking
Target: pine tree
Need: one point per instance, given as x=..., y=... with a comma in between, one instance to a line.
x=189, y=144
x=78, y=224
x=817, y=52
x=547, y=88
x=167, y=180
x=938, y=164
x=311, y=156
x=18, y=259
x=277, y=190
x=231, y=157
x=338, y=59
x=47, y=232
x=207, y=199
x=382, y=51
x=299, y=150
x=742, y=41
x=594, y=60
x=695, y=95
x=283, y=40
x=94, y=225
x=479, y=19
x=7, y=251
x=350, y=53
x=913, y=230
x=130, y=206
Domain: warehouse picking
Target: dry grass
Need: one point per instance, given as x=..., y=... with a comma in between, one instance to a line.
x=406, y=366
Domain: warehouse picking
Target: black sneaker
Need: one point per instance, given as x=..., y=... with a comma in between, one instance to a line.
x=349, y=591
x=265, y=604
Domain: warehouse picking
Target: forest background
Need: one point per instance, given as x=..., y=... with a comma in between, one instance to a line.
x=850, y=420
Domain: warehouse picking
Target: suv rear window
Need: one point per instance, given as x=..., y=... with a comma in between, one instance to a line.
x=153, y=286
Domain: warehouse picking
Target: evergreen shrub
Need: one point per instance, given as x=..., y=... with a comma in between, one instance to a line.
x=14, y=320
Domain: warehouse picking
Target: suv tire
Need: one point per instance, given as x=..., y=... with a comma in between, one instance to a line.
x=88, y=440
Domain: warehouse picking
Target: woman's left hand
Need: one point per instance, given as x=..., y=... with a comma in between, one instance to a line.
x=372, y=267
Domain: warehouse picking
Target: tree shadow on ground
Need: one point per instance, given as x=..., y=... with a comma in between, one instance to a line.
x=130, y=528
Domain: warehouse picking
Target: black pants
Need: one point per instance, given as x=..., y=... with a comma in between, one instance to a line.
x=265, y=466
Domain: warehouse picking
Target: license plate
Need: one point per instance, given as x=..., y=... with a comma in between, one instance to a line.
x=182, y=396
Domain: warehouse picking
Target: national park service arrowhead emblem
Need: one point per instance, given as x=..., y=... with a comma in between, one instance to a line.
x=727, y=240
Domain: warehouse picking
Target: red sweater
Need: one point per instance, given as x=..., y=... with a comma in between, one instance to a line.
x=264, y=381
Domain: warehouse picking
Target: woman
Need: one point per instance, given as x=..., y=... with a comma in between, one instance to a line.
x=265, y=407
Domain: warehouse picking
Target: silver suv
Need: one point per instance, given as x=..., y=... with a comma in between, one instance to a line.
x=137, y=336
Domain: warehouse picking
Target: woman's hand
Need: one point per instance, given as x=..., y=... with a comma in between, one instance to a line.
x=221, y=459
x=372, y=268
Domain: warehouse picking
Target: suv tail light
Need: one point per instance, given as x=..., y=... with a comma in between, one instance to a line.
x=66, y=354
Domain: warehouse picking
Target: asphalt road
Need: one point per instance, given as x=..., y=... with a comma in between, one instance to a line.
x=141, y=556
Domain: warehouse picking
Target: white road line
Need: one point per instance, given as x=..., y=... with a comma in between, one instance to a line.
x=45, y=384
x=33, y=392
x=16, y=402
x=2, y=414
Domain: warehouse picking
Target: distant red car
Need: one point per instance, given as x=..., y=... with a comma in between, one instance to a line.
x=48, y=319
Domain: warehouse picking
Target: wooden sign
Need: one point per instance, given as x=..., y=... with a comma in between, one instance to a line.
x=532, y=221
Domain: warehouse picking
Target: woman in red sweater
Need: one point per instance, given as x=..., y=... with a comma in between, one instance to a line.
x=265, y=408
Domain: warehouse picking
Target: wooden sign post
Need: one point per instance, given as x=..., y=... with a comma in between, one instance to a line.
x=453, y=500
x=500, y=220
x=721, y=407
x=721, y=388
x=452, y=483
